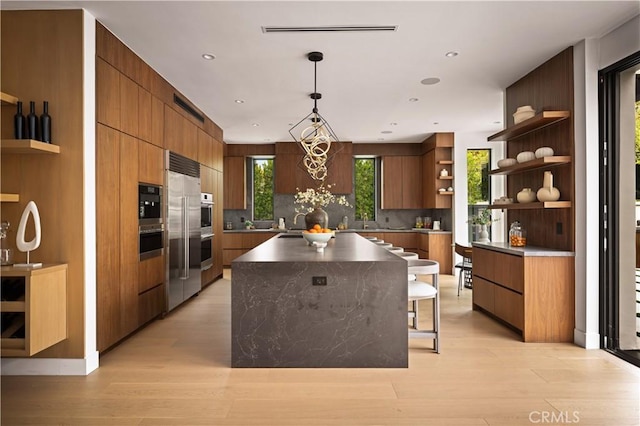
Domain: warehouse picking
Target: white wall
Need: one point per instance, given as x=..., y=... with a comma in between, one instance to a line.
x=589, y=57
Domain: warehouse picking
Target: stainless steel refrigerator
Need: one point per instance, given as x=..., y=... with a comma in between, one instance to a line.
x=183, y=228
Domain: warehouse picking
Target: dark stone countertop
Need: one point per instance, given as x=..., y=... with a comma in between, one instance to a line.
x=524, y=251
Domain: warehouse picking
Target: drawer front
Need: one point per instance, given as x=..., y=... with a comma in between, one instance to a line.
x=483, y=293
x=232, y=240
x=229, y=254
x=504, y=269
x=151, y=272
x=150, y=304
x=401, y=239
x=252, y=240
x=509, y=306
x=423, y=243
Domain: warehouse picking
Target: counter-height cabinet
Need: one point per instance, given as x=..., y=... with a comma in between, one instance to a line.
x=236, y=244
x=436, y=246
x=529, y=289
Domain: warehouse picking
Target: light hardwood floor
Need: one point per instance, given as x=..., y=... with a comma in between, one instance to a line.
x=176, y=372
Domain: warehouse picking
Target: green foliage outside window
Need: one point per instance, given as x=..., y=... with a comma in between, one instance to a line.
x=262, y=189
x=477, y=176
x=365, y=188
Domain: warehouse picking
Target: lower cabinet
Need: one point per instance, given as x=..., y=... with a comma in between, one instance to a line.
x=532, y=292
x=235, y=244
x=151, y=290
x=33, y=309
x=436, y=246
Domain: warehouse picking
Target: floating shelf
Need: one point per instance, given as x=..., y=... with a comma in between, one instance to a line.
x=538, y=163
x=445, y=193
x=445, y=162
x=8, y=99
x=17, y=306
x=9, y=198
x=538, y=121
x=541, y=205
x=445, y=177
x=27, y=146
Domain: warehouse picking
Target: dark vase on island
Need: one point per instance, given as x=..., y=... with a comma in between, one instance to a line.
x=317, y=216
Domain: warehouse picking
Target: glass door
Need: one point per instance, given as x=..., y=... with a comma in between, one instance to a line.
x=620, y=189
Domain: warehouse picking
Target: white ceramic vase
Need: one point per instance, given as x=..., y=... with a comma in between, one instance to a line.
x=526, y=196
x=548, y=192
x=483, y=234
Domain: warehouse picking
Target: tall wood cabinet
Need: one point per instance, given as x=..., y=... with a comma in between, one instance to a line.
x=401, y=182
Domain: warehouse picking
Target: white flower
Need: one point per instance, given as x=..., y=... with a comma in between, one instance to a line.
x=321, y=197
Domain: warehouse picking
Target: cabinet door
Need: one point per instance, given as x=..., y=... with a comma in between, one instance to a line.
x=190, y=137
x=206, y=179
x=391, y=182
x=151, y=163
x=157, y=122
x=173, y=137
x=232, y=240
x=284, y=174
x=128, y=106
x=509, y=306
x=107, y=94
x=340, y=170
x=144, y=115
x=151, y=273
x=218, y=156
x=411, y=182
x=483, y=294
x=440, y=251
x=217, y=223
x=429, y=189
x=235, y=183
x=107, y=235
x=205, y=149
x=406, y=240
x=129, y=253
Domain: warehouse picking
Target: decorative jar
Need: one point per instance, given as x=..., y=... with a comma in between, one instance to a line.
x=517, y=235
x=526, y=196
x=523, y=113
x=525, y=156
x=317, y=217
x=548, y=192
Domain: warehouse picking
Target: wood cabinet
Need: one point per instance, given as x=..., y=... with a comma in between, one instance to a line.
x=157, y=122
x=238, y=243
x=145, y=115
x=117, y=235
x=436, y=246
x=151, y=282
x=128, y=106
x=290, y=174
x=235, y=175
x=107, y=94
x=534, y=294
x=33, y=308
x=151, y=163
x=401, y=182
x=407, y=240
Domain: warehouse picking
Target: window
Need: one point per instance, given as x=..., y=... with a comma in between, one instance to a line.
x=262, y=189
x=365, y=188
x=478, y=188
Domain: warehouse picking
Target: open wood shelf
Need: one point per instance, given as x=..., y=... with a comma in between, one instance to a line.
x=539, y=205
x=27, y=146
x=538, y=163
x=445, y=193
x=538, y=121
x=445, y=162
x=9, y=198
x=13, y=306
x=7, y=99
x=445, y=177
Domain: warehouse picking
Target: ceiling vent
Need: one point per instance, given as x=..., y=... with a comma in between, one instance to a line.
x=331, y=28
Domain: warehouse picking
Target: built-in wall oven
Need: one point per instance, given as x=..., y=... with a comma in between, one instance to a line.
x=206, y=230
x=150, y=224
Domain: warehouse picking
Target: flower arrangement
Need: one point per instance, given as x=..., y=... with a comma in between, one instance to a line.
x=482, y=218
x=311, y=198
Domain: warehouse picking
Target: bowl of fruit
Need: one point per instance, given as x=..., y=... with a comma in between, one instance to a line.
x=318, y=235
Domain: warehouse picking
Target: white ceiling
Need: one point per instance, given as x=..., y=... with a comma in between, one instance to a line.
x=366, y=79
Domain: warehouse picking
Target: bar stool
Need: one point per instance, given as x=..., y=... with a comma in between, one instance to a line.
x=383, y=244
x=420, y=290
x=466, y=266
x=394, y=249
x=407, y=255
x=371, y=238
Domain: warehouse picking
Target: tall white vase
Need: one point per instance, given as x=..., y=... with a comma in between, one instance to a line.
x=483, y=234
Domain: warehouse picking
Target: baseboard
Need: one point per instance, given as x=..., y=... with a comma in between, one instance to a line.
x=586, y=340
x=50, y=366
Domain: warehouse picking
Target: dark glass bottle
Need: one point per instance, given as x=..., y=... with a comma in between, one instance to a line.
x=18, y=123
x=45, y=123
x=32, y=122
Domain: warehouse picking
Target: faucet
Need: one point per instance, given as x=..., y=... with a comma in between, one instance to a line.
x=296, y=217
x=365, y=217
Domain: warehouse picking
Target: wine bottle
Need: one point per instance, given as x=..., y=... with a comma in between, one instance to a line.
x=18, y=123
x=45, y=124
x=32, y=122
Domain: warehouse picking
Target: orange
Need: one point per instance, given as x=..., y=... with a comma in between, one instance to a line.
x=317, y=227
x=327, y=231
x=313, y=231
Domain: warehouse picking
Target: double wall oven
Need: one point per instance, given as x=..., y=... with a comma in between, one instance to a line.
x=150, y=224
x=206, y=230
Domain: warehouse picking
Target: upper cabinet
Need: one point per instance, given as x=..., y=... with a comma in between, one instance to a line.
x=235, y=184
x=401, y=182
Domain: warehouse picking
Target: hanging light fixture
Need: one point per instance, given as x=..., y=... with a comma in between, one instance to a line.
x=315, y=139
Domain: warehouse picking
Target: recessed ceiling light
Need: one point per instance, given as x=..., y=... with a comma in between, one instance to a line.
x=255, y=125
x=267, y=140
x=393, y=124
x=386, y=132
x=497, y=122
x=451, y=54
x=239, y=101
x=208, y=56
x=413, y=99
x=435, y=122
x=431, y=80
x=380, y=139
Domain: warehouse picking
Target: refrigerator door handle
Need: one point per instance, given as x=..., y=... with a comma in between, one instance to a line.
x=185, y=237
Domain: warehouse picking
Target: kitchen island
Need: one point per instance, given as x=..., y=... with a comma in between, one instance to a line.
x=295, y=307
